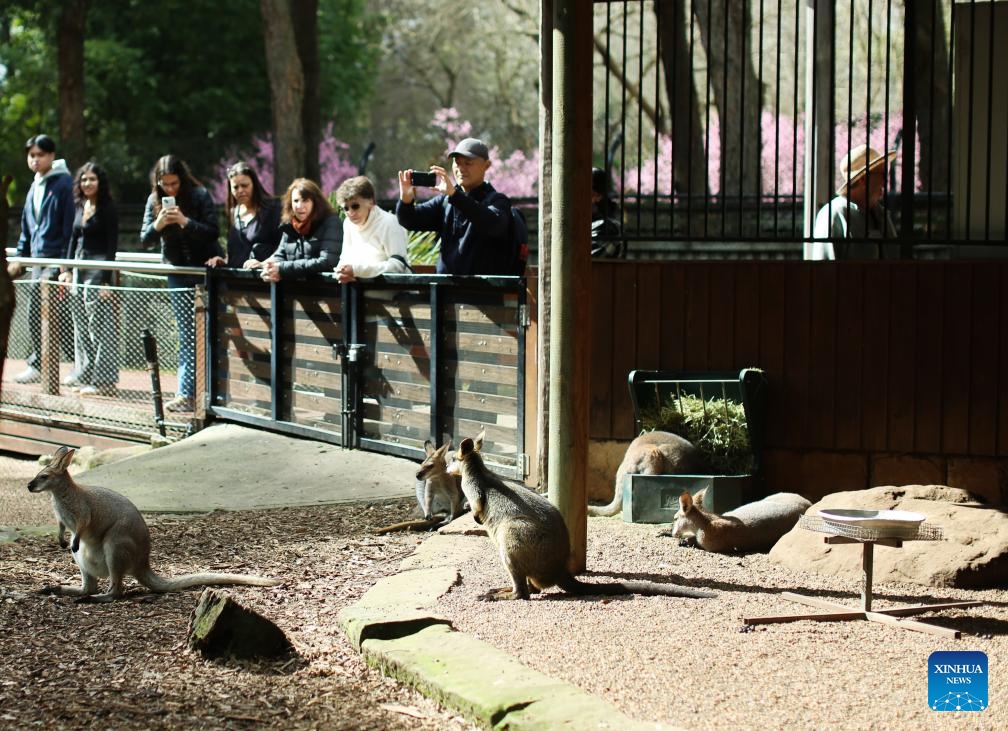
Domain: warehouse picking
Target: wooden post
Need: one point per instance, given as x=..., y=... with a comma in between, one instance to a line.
x=819, y=75
x=49, y=342
x=867, y=559
x=569, y=270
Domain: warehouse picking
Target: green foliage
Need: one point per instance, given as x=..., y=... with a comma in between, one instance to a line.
x=423, y=247
x=187, y=78
x=716, y=427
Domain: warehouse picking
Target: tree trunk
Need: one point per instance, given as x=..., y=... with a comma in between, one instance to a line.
x=689, y=162
x=6, y=285
x=725, y=29
x=287, y=92
x=305, y=18
x=931, y=64
x=70, y=41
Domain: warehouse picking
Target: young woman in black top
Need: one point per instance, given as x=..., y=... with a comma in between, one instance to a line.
x=253, y=217
x=95, y=238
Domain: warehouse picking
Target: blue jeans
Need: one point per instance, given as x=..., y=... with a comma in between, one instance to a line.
x=182, y=303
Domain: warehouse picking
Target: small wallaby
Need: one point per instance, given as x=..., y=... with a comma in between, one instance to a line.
x=109, y=538
x=752, y=527
x=437, y=491
x=531, y=536
x=440, y=487
x=652, y=453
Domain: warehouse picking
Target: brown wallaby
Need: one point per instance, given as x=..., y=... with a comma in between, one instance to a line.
x=531, y=536
x=109, y=538
x=440, y=488
x=652, y=453
x=437, y=491
x=752, y=527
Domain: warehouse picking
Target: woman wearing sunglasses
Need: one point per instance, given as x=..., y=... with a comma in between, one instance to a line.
x=373, y=241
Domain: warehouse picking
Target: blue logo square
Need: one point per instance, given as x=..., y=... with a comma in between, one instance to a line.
x=957, y=681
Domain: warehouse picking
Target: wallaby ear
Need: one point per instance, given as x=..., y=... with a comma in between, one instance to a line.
x=428, y=446
x=685, y=501
x=698, y=499
x=442, y=450
x=62, y=458
x=466, y=447
x=478, y=444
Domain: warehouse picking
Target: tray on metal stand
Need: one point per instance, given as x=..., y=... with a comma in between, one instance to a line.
x=868, y=538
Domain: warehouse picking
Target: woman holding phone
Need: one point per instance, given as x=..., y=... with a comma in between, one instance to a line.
x=181, y=215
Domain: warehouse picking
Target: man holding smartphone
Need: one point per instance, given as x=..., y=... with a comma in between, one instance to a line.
x=471, y=217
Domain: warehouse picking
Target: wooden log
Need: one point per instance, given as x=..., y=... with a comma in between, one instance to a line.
x=221, y=627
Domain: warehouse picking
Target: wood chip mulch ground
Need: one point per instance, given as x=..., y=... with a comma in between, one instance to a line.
x=125, y=665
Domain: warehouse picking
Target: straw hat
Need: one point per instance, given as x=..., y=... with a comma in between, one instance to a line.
x=859, y=162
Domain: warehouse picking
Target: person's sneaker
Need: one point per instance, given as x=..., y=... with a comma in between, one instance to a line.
x=103, y=390
x=180, y=403
x=28, y=375
x=73, y=379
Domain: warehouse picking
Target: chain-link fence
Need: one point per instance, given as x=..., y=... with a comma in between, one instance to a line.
x=76, y=356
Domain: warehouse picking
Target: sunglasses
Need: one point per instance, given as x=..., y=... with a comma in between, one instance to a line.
x=351, y=206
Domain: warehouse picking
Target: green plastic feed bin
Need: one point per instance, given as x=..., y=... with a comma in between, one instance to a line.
x=723, y=415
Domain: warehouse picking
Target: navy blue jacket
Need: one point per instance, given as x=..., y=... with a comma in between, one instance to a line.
x=473, y=227
x=95, y=240
x=298, y=256
x=48, y=234
x=258, y=240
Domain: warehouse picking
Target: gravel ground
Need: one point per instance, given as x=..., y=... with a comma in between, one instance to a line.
x=688, y=662
x=679, y=661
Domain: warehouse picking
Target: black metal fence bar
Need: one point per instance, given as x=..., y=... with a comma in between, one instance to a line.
x=708, y=114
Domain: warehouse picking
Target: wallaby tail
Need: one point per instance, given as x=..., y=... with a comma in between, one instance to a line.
x=157, y=583
x=572, y=585
x=417, y=524
x=609, y=510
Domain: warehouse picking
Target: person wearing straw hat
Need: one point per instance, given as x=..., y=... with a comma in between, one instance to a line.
x=847, y=227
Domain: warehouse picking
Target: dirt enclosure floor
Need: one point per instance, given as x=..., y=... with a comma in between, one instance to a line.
x=682, y=662
x=125, y=665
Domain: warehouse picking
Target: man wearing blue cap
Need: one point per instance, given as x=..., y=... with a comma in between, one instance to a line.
x=469, y=215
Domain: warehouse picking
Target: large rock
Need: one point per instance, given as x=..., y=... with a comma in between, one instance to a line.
x=973, y=554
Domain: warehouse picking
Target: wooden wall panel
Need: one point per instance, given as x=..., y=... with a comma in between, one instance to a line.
x=875, y=357
x=626, y=321
x=822, y=359
x=955, y=386
x=931, y=332
x=984, y=367
x=849, y=357
x=604, y=321
x=771, y=355
x=870, y=357
x=902, y=349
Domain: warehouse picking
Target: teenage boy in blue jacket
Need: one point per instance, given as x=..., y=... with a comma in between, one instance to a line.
x=470, y=216
x=46, y=226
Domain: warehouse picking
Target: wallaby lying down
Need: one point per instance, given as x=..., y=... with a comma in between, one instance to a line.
x=531, y=536
x=109, y=538
x=652, y=453
x=752, y=527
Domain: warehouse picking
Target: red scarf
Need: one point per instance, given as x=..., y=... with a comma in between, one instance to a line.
x=302, y=227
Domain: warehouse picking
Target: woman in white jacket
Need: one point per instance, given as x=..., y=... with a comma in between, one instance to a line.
x=373, y=241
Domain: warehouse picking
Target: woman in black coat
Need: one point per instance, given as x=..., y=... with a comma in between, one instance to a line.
x=95, y=238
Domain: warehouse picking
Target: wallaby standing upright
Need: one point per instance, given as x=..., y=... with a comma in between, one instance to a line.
x=110, y=538
x=752, y=527
x=652, y=453
x=437, y=490
x=531, y=536
x=439, y=486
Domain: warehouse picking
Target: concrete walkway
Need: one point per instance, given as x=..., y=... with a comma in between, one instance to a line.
x=395, y=624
